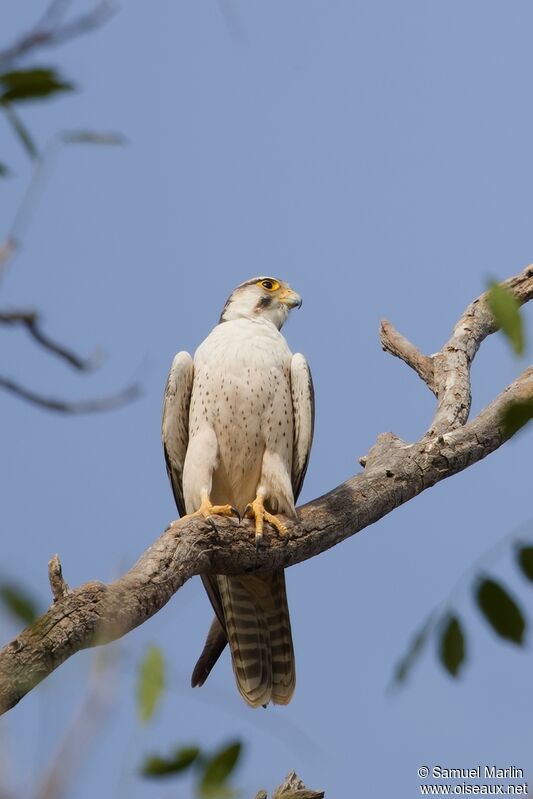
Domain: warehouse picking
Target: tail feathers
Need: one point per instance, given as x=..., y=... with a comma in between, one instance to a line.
x=213, y=648
x=279, y=625
x=259, y=634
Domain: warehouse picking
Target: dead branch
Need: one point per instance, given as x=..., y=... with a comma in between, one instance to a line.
x=292, y=788
x=395, y=472
x=398, y=345
x=52, y=30
x=58, y=585
x=97, y=405
x=447, y=373
x=31, y=321
x=232, y=22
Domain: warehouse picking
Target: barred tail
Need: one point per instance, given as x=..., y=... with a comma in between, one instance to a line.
x=213, y=648
x=258, y=630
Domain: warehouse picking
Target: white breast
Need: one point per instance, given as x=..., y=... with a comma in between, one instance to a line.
x=242, y=391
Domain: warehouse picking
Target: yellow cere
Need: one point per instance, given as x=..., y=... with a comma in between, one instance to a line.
x=270, y=285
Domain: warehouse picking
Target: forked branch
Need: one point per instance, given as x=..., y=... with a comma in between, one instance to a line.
x=396, y=471
x=31, y=321
x=53, y=29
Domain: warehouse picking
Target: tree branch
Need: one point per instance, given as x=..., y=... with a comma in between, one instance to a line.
x=447, y=373
x=58, y=585
x=292, y=788
x=97, y=405
x=96, y=613
x=51, y=30
x=31, y=321
x=398, y=345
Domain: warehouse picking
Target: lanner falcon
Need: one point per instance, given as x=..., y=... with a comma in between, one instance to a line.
x=237, y=431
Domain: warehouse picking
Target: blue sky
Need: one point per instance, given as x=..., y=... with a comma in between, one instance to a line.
x=377, y=155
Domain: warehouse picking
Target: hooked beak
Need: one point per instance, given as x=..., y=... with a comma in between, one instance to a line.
x=291, y=298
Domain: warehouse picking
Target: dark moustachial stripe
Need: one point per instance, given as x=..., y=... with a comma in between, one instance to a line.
x=264, y=302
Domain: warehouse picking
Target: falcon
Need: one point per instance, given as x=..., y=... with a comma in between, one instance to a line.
x=237, y=431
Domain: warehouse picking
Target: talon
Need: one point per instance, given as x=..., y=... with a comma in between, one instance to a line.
x=256, y=510
x=211, y=523
x=207, y=509
x=221, y=510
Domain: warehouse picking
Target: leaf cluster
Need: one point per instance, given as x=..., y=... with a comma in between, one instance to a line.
x=211, y=770
x=506, y=313
x=498, y=608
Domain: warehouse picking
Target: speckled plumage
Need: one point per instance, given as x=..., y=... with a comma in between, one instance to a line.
x=241, y=419
x=238, y=424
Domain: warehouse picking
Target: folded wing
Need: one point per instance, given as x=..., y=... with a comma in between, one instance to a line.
x=175, y=423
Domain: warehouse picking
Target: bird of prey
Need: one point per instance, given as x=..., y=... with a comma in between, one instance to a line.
x=237, y=431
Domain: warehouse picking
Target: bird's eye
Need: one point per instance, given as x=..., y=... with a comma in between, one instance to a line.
x=270, y=285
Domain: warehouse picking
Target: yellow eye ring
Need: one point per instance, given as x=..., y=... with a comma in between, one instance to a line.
x=269, y=285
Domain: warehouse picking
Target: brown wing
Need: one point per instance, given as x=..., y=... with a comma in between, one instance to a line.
x=303, y=408
x=175, y=422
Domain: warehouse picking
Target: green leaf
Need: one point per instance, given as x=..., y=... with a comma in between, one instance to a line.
x=4, y=170
x=151, y=683
x=155, y=766
x=217, y=792
x=452, y=645
x=216, y=771
x=93, y=137
x=406, y=663
x=501, y=611
x=19, y=603
x=516, y=415
x=20, y=130
x=506, y=312
x=31, y=84
x=524, y=556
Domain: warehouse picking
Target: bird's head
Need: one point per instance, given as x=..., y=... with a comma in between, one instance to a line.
x=261, y=297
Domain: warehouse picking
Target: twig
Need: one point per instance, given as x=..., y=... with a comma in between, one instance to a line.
x=452, y=364
x=82, y=732
x=42, y=163
x=97, y=405
x=395, y=472
x=29, y=199
x=447, y=373
x=58, y=585
x=293, y=788
x=49, y=32
x=31, y=321
x=54, y=13
x=232, y=21
x=398, y=345
x=7, y=250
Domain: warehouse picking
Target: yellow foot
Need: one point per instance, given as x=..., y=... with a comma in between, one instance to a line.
x=206, y=510
x=256, y=510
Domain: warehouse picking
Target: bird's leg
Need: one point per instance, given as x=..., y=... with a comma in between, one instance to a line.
x=256, y=510
x=206, y=509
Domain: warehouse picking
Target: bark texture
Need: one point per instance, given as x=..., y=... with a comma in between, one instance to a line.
x=292, y=788
x=395, y=472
